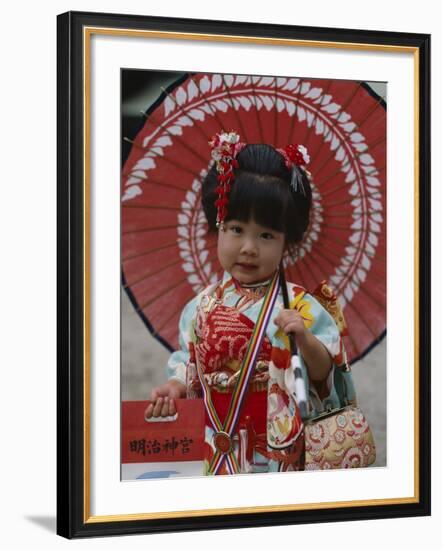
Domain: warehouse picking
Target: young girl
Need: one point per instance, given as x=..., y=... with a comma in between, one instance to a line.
x=237, y=336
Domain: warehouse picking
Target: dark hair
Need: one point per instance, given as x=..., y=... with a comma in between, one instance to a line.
x=262, y=191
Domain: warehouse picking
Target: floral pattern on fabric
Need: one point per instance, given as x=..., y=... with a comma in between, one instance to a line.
x=344, y=441
x=284, y=423
x=303, y=306
x=223, y=335
x=214, y=330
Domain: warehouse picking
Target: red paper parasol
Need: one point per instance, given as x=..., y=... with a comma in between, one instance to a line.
x=167, y=256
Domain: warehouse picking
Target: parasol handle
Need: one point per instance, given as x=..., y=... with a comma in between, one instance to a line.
x=300, y=390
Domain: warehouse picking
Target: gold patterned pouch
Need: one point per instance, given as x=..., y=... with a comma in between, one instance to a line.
x=340, y=438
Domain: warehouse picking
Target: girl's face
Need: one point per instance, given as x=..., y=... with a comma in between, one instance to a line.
x=248, y=251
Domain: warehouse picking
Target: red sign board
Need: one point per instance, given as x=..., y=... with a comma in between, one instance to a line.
x=171, y=440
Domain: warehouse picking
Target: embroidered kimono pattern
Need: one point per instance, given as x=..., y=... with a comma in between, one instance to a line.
x=214, y=330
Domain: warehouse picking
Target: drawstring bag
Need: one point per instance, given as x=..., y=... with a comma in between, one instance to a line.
x=338, y=438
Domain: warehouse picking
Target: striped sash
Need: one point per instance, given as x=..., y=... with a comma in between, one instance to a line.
x=223, y=438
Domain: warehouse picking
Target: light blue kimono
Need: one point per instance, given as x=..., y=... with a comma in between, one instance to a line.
x=282, y=430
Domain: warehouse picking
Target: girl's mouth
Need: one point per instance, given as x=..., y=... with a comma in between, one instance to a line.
x=247, y=267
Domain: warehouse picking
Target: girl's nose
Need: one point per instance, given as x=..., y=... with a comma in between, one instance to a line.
x=249, y=247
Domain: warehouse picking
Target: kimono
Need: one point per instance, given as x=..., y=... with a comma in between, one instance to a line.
x=214, y=331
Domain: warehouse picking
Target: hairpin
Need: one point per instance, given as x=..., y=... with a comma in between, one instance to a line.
x=296, y=155
x=225, y=147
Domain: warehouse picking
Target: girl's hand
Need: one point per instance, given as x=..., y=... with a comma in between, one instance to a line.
x=163, y=399
x=316, y=356
x=290, y=321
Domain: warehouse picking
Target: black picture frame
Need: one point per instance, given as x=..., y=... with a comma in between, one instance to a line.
x=73, y=515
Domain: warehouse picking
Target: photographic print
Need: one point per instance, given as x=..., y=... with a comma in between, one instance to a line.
x=169, y=257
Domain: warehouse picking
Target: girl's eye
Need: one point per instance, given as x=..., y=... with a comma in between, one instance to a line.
x=267, y=236
x=236, y=229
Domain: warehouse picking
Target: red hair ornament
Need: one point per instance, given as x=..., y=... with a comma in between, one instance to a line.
x=226, y=146
x=296, y=155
